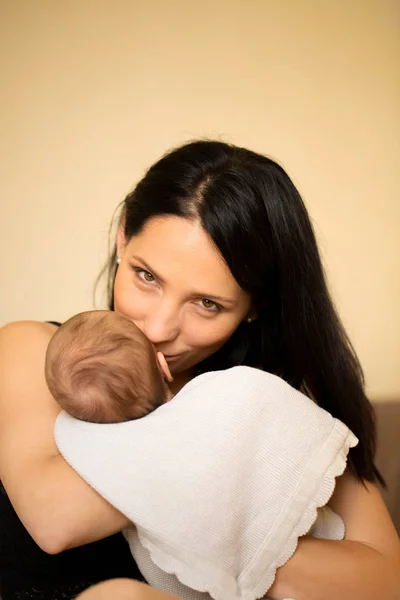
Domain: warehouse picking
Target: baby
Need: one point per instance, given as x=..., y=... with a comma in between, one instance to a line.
x=100, y=367
x=252, y=460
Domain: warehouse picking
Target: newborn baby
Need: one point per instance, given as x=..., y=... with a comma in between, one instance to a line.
x=220, y=482
x=252, y=460
x=100, y=367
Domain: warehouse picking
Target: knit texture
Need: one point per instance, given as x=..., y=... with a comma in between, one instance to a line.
x=220, y=482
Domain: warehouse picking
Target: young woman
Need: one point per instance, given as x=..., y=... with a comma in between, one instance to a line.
x=216, y=261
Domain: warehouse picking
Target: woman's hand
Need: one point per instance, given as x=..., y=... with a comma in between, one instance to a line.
x=56, y=506
x=364, y=566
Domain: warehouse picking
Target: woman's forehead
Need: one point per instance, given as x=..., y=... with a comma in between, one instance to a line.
x=179, y=250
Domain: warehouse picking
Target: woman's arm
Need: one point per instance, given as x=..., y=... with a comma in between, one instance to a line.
x=124, y=589
x=364, y=566
x=56, y=506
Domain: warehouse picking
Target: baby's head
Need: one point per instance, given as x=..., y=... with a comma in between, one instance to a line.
x=100, y=367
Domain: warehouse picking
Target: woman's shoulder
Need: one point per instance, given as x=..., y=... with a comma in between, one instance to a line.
x=23, y=343
x=18, y=331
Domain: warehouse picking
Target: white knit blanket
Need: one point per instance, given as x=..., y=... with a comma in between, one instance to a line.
x=220, y=482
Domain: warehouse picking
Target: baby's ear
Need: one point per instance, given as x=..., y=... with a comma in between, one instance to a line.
x=164, y=367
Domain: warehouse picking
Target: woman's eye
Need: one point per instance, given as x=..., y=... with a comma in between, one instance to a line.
x=145, y=275
x=209, y=305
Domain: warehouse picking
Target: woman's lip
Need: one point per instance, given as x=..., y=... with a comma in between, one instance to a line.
x=172, y=356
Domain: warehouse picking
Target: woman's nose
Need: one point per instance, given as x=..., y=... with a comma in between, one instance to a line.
x=162, y=324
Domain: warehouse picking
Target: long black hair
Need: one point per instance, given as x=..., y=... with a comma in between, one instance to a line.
x=256, y=218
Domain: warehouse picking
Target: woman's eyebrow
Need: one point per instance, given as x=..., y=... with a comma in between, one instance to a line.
x=148, y=267
x=212, y=297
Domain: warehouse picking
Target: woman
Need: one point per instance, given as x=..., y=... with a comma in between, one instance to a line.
x=216, y=261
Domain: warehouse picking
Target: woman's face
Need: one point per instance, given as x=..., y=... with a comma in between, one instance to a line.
x=175, y=286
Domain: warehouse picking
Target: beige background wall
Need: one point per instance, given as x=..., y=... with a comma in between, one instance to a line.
x=93, y=91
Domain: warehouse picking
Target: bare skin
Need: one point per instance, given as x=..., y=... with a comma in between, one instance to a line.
x=168, y=282
x=185, y=300
x=124, y=589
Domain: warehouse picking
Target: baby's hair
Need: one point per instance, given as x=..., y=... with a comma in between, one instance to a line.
x=100, y=367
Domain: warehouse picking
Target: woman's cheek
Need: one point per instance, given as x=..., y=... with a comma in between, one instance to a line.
x=213, y=334
x=128, y=298
x=119, y=293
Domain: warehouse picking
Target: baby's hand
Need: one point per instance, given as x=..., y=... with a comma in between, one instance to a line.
x=164, y=367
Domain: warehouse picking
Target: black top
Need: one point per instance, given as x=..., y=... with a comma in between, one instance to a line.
x=26, y=572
